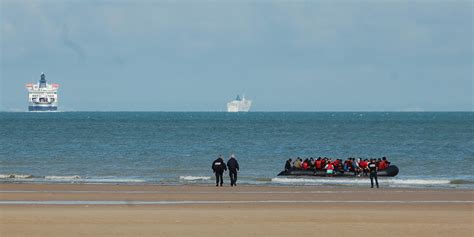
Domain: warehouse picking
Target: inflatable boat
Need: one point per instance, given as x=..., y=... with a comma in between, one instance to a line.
x=391, y=171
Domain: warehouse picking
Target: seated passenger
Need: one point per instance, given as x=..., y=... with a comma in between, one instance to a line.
x=318, y=164
x=340, y=167
x=324, y=162
x=329, y=169
x=348, y=165
x=288, y=165
x=305, y=164
x=380, y=165
x=364, y=166
x=387, y=163
x=336, y=162
x=297, y=163
x=355, y=166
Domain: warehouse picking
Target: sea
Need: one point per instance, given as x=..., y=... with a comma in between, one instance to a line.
x=431, y=149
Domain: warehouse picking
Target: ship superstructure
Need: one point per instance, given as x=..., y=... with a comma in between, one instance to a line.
x=239, y=105
x=42, y=96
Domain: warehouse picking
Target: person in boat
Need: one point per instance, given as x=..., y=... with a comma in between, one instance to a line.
x=339, y=167
x=373, y=173
x=233, y=167
x=364, y=166
x=318, y=164
x=355, y=166
x=386, y=162
x=336, y=165
x=311, y=163
x=305, y=164
x=347, y=165
x=288, y=164
x=218, y=167
x=324, y=162
x=329, y=168
x=380, y=164
x=297, y=163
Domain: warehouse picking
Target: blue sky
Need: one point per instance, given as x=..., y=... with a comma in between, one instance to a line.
x=197, y=55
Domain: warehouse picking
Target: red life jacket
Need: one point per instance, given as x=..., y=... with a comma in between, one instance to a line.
x=382, y=165
x=330, y=166
x=318, y=164
x=305, y=165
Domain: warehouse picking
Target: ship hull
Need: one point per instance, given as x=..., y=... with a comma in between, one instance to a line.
x=42, y=108
x=239, y=106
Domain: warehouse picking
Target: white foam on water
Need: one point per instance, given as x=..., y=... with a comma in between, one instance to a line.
x=224, y=202
x=63, y=177
x=194, y=178
x=16, y=176
x=320, y=181
x=420, y=181
x=112, y=180
x=361, y=181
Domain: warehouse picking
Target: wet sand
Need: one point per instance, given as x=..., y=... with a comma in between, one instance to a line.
x=193, y=210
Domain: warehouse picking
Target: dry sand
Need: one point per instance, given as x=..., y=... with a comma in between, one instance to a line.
x=239, y=211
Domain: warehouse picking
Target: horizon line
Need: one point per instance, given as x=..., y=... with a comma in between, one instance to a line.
x=261, y=111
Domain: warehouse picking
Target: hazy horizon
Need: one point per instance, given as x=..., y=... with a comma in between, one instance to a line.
x=195, y=56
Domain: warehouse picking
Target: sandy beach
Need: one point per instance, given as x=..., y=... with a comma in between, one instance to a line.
x=194, y=210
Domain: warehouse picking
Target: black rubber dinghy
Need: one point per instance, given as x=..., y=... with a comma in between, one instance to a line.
x=391, y=171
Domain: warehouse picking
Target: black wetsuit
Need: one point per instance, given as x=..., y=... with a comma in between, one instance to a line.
x=288, y=165
x=373, y=175
x=233, y=166
x=218, y=166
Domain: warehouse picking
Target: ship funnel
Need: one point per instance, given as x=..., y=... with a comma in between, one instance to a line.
x=42, y=82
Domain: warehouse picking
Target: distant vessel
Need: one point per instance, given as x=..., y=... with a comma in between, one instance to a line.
x=42, y=96
x=239, y=105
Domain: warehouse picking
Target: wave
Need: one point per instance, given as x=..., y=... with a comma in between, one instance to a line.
x=194, y=178
x=67, y=178
x=63, y=177
x=113, y=180
x=16, y=176
x=263, y=179
x=389, y=182
x=341, y=181
x=461, y=181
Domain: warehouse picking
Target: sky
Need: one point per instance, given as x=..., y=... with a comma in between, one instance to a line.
x=144, y=55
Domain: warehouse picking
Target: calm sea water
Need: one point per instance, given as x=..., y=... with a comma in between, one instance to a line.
x=431, y=149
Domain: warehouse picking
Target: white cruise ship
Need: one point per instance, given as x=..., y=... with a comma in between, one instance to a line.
x=42, y=96
x=239, y=105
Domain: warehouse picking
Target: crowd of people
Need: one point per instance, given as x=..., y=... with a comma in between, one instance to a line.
x=357, y=166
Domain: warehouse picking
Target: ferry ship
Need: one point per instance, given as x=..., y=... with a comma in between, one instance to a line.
x=42, y=96
x=239, y=105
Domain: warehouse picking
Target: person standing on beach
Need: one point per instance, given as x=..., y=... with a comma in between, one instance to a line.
x=373, y=173
x=218, y=167
x=233, y=167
